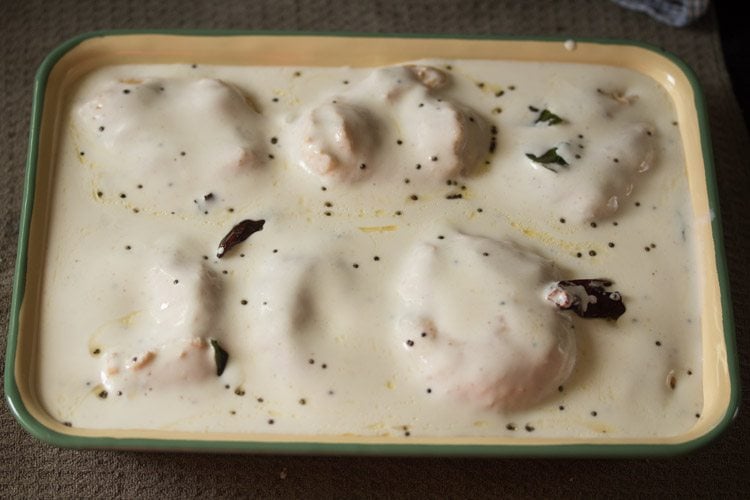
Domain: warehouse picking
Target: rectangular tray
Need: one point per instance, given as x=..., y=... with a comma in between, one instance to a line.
x=84, y=53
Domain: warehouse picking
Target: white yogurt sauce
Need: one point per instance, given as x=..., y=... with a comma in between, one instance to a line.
x=414, y=217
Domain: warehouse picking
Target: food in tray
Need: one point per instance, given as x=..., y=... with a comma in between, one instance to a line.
x=476, y=325
x=461, y=248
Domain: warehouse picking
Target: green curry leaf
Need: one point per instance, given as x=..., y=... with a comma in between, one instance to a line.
x=547, y=116
x=550, y=157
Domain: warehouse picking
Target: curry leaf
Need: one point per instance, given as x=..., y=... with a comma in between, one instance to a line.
x=549, y=157
x=588, y=298
x=549, y=117
x=238, y=234
x=220, y=357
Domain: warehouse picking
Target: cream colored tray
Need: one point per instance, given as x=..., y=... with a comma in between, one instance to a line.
x=77, y=57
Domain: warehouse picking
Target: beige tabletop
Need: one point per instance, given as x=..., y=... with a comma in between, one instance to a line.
x=29, y=30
